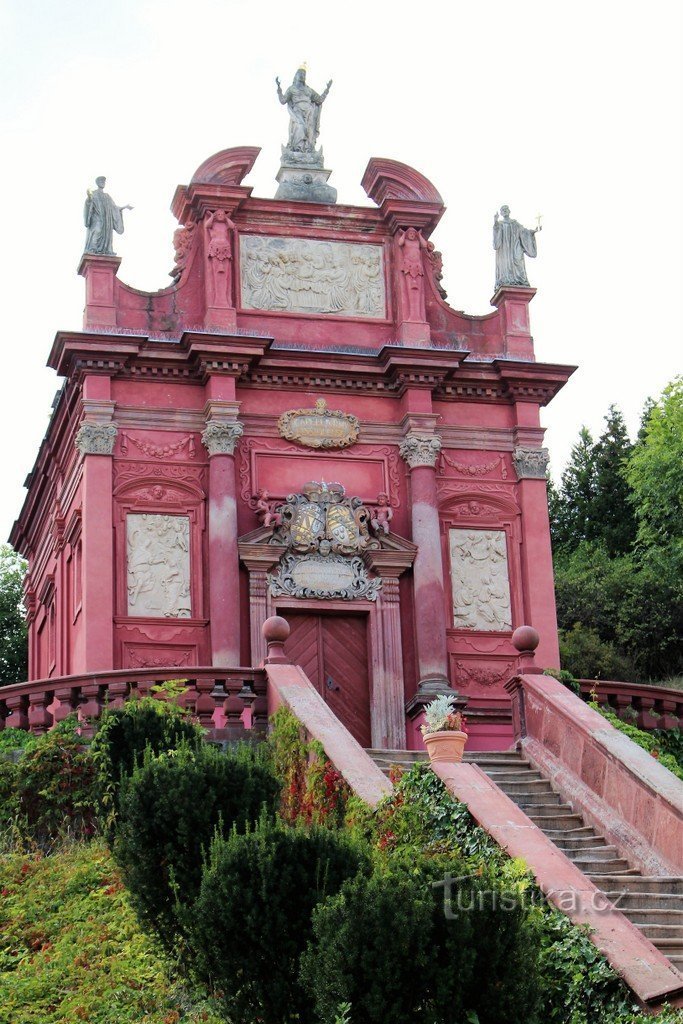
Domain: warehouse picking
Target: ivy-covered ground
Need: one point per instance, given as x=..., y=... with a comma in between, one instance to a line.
x=72, y=950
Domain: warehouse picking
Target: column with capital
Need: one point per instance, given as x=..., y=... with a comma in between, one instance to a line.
x=420, y=452
x=95, y=441
x=220, y=437
x=538, y=590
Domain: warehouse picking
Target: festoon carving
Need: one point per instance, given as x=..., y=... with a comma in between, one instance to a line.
x=220, y=438
x=420, y=451
x=531, y=463
x=96, y=438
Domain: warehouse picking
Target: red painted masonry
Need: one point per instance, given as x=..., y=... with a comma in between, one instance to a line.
x=185, y=386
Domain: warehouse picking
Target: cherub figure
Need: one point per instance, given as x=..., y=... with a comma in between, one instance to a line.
x=265, y=510
x=382, y=514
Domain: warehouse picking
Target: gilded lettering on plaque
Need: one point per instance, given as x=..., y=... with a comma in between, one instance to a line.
x=320, y=427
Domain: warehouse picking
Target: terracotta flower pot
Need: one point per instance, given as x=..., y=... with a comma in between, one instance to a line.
x=445, y=746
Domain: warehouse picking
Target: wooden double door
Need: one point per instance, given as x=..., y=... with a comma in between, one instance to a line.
x=332, y=649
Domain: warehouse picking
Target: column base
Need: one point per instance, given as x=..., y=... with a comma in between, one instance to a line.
x=422, y=698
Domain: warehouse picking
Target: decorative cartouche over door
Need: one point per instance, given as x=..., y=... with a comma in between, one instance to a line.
x=325, y=533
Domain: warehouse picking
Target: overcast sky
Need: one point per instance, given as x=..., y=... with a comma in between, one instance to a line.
x=568, y=110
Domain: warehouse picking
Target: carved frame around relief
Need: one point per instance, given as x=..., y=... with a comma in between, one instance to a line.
x=171, y=490
x=489, y=507
x=348, y=578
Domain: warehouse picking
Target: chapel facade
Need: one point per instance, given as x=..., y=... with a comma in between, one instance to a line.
x=300, y=424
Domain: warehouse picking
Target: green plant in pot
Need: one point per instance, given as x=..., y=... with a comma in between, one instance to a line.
x=444, y=730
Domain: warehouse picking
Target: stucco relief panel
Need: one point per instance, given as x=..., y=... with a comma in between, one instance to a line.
x=300, y=275
x=158, y=565
x=480, y=580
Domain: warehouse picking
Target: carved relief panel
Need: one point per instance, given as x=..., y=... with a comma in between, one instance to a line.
x=158, y=565
x=300, y=275
x=480, y=580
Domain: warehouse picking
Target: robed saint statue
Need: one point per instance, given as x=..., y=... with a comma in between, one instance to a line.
x=102, y=218
x=512, y=243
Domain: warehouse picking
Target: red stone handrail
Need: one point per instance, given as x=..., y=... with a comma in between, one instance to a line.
x=655, y=707
x=217, y=697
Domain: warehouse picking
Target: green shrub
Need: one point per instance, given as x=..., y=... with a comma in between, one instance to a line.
x=12, y=740
x=125, y=733
x=56, y=787
x=253, y=916
x=169, y=809
x=387, y=946
x=586, y=656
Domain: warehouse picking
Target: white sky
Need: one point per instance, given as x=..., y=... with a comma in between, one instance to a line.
x=570, y=110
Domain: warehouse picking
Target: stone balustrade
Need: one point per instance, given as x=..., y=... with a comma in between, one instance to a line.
x=654, y=707
x=227, y=702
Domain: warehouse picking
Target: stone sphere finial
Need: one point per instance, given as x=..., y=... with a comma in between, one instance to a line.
x=275, y=632
x=275, y=629
x=525, y=639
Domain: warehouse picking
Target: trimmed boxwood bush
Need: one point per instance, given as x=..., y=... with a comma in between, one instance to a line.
x=126, y=732
x=170, y=808
x=385, y=945
x=253, y=916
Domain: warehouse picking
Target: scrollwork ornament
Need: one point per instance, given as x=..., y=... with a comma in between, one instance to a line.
x=323, y=576
x=221, y=438
x=420, y=451
x=96, y=438
x=531, y=463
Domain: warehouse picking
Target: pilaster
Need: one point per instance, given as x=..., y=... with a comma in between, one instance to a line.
x=420, y=452
x=95, y=441
x=220, y=437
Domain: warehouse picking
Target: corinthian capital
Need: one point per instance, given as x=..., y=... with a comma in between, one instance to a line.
x=220, y=437
x=96, y=438
x=420, y=451
x=531, y=463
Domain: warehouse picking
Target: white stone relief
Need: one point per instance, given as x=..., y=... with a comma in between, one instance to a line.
x=300, y=275
x=158, y=562
x=481, y=585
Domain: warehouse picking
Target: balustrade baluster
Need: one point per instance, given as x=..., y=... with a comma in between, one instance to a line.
x=90, y=706
x=3, y=713
x=116, y=692
x=645, y=707
x=669, y=718
x=68, y=702
x=233, y=707
x=17, y=705
x=39, y=718
x=206, y=704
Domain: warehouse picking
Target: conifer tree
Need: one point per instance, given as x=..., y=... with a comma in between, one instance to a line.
x=571, y=509
x=612, y=520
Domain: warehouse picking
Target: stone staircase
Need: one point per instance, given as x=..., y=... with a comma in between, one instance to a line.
x=653, y=904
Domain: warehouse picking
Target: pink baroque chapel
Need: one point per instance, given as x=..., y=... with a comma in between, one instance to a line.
x=299, y=425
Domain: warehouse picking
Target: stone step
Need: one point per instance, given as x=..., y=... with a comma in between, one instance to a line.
x=655, y=932
x=556, y=822
x=589, y=863
x=402, y=755
x=601, y=853
x=513, y=775
x=645, y=900
x=494, y=756
x=569, y=842
x=651, y=915
x=643, y=884
x=546, y=798
x=522, y=786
